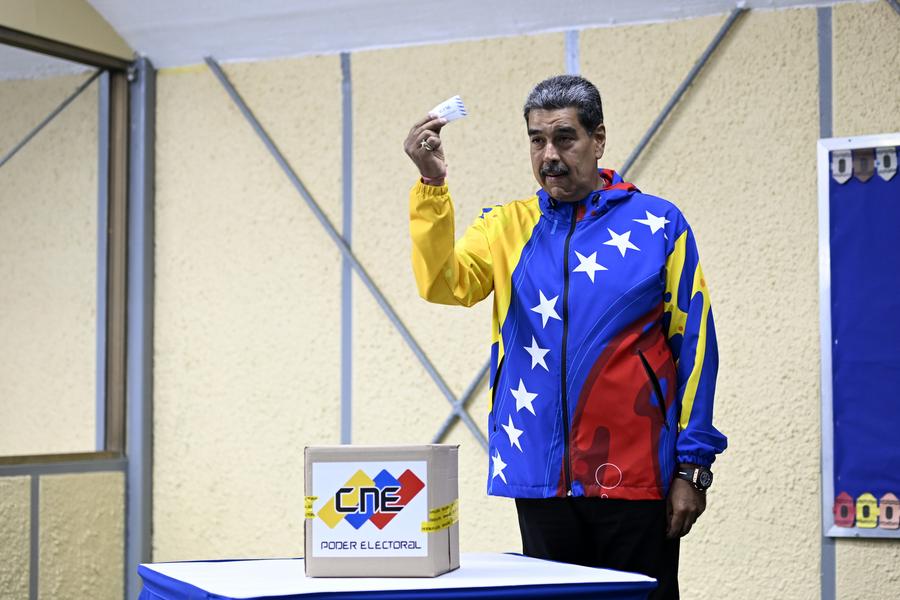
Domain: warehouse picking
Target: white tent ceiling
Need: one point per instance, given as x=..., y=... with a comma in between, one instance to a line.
x=181, y=32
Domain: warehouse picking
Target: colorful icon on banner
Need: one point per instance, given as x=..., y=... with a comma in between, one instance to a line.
x=864, y=164
x=844, y=510
x=889, y=517
x=378, y=499
x=866, y=511
x=841, y=165
x=886, y=162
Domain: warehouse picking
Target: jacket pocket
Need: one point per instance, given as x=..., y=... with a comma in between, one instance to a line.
x=657, y=389
x=494, y=394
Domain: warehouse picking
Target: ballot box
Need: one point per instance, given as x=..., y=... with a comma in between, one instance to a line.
x=381, y=511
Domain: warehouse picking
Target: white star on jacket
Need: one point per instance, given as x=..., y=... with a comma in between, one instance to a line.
x=513, y=434
x=499, y=465
x=653, y=222
x=524, y=398
x=588, y=265
x=537, y=354
x=620, y=241
x=546, y=308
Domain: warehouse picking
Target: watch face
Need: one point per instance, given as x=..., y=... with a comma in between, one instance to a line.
x=704, y=479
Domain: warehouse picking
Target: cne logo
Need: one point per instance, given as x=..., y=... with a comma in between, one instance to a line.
x=365, y=499
x=382, y=500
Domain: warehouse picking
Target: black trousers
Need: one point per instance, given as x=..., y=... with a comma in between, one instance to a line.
x=627, y=535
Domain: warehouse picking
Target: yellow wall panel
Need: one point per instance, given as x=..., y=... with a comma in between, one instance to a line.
x=738, y=157
x=247, y=335
x=82, y=536
x=393, y=398
x=866, y=69
x=15, y=536
x=48, y=265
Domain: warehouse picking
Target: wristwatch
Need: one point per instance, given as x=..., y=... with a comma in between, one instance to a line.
x=699, y=477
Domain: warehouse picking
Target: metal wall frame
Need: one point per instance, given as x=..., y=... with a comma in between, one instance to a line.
x=102, y=228
x=140, y=314
x=116, y=260
x=573, y=52
x=345, y=249
x=346, y=266
x=895, y=5
x=44, y=45
x=827, y=550
x=113, y=181
x=125, y=292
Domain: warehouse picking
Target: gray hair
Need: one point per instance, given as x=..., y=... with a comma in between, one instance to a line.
x=568, y=91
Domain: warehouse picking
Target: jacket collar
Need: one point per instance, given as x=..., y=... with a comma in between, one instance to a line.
x=612, y=191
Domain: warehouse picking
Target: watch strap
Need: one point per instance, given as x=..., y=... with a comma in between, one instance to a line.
x=694, y=475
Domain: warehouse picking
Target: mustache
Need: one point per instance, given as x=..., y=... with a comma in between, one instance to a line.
x=554, y=170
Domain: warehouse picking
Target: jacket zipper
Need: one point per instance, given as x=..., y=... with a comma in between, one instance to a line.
x=494, y=393
x=565, y=323
x=657, y=389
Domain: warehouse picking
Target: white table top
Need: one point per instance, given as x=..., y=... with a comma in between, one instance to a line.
x=284, y=577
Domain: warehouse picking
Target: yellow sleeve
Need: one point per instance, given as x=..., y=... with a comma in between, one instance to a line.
x=447, y=272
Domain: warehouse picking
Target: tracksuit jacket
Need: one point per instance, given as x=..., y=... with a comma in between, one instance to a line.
x=603, y=355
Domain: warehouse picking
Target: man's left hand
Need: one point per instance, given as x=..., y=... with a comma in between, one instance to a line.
x=685, y=504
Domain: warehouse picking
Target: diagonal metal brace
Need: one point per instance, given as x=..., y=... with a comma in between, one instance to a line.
x=688, y=80
x=895, y=5
x=84, y=85
x=342, y=245
x=459, y=407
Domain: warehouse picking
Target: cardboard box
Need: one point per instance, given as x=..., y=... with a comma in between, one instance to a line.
x=381, y=511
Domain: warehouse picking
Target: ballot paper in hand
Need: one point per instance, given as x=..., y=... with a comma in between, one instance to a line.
x=450, y=109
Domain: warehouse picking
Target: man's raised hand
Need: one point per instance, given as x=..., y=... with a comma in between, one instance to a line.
x=423, y=145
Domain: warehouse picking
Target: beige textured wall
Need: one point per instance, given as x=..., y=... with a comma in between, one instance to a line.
x=247, y=343
x=867, y=569
x=247, y=358
x=82, y=536
x=866, y=101
x=750, y=118
x=15, y=536
x=866, y=72
x=394, y=400
x=71, y=21
x=48, y=263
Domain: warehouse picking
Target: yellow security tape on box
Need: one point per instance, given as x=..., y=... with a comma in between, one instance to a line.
x=308, y=506
x=443, y=511
x=441, y=518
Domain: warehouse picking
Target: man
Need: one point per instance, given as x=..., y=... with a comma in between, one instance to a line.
x=603, y=351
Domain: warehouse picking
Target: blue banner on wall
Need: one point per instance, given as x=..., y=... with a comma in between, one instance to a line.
x=865, y=338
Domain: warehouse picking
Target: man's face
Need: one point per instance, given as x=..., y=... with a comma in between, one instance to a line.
x=563, y=155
